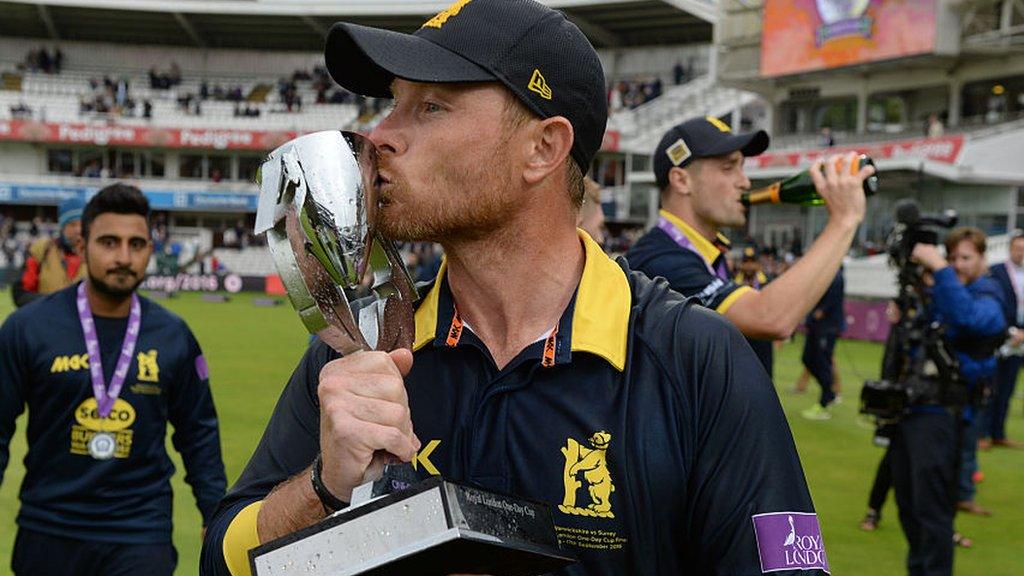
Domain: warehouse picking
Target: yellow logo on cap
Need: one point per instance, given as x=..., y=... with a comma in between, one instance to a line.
x=718, y=124
x=539, y=85
x=678, y=152
x=443, y=16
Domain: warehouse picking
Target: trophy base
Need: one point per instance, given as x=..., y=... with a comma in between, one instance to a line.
x=433, y=528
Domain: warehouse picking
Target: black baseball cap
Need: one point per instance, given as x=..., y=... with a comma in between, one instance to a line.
x=703, y=137
x=749, y=253
x=544, y=59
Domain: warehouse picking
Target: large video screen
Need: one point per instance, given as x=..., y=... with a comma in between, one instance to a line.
x=806, y=35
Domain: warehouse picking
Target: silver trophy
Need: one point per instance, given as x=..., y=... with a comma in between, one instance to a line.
x=318, y=208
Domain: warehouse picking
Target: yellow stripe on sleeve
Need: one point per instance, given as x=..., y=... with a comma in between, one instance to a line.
x=241, y=537
x=732, y=298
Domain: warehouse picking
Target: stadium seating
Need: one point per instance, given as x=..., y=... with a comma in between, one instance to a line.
x=250, y=261
x=56, y=97
x=642, y=127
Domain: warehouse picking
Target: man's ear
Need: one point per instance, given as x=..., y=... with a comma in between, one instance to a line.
x=550, y=144
x=680, y=181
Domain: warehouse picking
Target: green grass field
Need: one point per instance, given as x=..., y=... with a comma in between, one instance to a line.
x=251, y=352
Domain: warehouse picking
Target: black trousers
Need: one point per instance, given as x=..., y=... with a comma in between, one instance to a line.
x=999, y=402
x=817, y=358
x=38, y=554
x=882, y=484
x=924, y=472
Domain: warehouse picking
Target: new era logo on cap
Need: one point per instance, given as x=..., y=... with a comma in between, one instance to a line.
x=539, y=85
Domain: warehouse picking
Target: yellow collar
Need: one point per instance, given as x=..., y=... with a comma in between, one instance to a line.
x=600, y=322
x=707, y=250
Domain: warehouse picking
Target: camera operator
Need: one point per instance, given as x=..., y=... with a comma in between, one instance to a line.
x=965, y=305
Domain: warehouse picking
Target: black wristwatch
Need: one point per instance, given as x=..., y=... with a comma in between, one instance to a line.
x=330, y=502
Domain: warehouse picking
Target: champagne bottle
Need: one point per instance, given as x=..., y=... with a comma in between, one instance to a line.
x=799, y=189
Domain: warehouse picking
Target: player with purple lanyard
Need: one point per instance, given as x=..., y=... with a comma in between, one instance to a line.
x=698, y=167
x=719, y=271
x=102, y=372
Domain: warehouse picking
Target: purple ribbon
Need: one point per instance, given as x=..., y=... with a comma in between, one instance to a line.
x=105, y=396
x=676, y=234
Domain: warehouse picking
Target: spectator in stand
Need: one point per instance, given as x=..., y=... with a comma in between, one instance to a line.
x=678, y=73
x=934, y=127
x=21, y=110
x=241, y=233
x=147, y=109
x=52, y=263
x=92, y=170
x=827, y=140
x=635, y=92
x=43, y=61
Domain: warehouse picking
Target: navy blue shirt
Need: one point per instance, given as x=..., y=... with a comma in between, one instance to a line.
x=690, y=273
x=684, y=437
x=127, y=498
x=830, y=308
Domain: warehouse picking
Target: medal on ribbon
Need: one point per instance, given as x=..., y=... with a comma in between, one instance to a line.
x=103, y=445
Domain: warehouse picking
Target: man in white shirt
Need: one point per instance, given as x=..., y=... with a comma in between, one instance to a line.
x=1010, y=277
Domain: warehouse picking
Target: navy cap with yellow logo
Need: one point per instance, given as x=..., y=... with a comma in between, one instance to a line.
x=544, y=59
x=749, y=253
x=703, y=137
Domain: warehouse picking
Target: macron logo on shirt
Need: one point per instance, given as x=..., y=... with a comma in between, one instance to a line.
x=790, y=541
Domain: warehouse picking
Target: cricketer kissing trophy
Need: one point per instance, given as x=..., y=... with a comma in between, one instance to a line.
x=318, y=208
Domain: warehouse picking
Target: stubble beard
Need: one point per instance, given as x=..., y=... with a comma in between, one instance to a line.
x=458, y=207
x=112, y=291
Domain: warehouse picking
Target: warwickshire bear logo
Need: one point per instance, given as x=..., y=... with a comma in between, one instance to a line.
x=149, y=371
x=588, y=466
